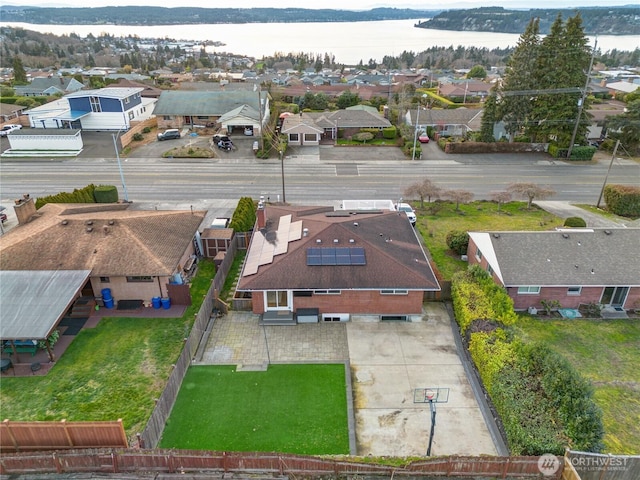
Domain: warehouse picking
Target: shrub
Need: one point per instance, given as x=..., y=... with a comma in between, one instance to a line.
x=575, y=222
x=138, y=137
x=458, y=241
x=623, y=200
x=390, y=133
x=146, y=129
x=106, y=194
x=363, y=137
x=83, y=195
x=244, y=216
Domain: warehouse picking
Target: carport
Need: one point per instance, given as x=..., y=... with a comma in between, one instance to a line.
x=34, y=302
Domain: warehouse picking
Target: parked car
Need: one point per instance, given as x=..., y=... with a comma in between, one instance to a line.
x=406, y=208
x=225, y=145
x=7, y=129
x=170, y=134
x=221, y=138
x=248, y=131
x=424, y=138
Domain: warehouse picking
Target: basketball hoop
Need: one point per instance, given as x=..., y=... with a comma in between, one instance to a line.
x=429, y=394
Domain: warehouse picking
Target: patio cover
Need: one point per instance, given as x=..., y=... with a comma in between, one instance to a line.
x=32, y=302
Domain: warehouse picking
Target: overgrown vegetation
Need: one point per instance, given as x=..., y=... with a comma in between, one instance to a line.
x=244, y=216
x=623, y=200
x=88, y=194
x=544, y=404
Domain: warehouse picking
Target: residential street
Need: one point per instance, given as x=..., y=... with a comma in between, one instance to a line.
x=313, y=175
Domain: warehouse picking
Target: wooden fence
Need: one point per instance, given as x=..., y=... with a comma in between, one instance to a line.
x=127, y=137
x=597, y=466
x=20, y=436
x=150, y=436
x=185, y=461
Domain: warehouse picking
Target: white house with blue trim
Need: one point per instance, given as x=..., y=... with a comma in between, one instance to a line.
x=110, y=108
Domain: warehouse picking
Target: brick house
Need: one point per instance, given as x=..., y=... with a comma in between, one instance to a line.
x=572, y=266
x=317, y=264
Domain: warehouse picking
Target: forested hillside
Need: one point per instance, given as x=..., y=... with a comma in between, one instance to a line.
x=148, y=15
x=596, y=21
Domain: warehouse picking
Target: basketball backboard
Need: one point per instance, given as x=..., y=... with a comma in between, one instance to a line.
x=431, y=394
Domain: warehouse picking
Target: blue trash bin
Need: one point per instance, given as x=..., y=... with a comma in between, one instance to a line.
x=108, y=302
x=106, y=294
x=155, y=302
x=166, y=303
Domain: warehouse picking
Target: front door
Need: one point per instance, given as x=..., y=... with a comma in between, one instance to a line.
x=614, y=296
x=278, y=300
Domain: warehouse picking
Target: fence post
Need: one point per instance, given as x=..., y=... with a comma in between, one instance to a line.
x=56, y=462
x=506, y=467
x=224, y=462
x=114, y=462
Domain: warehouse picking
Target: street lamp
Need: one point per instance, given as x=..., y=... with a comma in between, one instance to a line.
x=284, y=199
x=415, y=133
x=115, y=145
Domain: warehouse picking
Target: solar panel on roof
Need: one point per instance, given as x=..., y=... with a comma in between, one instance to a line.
x=336, y=256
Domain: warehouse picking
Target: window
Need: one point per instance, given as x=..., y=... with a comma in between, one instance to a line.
x=95, y=104
x=131, y=115
x=310, y=137
x=139, y=279
x=277, y=299
x=127, y=100
x=326, y=292
x=574, y=290
x=478, y=254
x=528, y=290
x=394, y=292
x=167, y=117
x=105, y=279
x=489, y=270
x=293, y=137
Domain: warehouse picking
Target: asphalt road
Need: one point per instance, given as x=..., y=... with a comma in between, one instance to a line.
x=312, y=175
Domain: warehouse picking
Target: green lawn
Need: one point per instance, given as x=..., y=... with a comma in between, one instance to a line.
x=288, y=408
x=607, y=352
x=115, y=370
x=475, y=216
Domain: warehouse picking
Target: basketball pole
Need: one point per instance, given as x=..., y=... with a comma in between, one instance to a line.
x=432, y=407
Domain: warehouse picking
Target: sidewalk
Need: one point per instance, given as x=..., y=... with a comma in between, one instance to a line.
x=566, y=209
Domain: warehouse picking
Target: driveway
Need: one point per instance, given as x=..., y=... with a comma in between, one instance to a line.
x=388, y=361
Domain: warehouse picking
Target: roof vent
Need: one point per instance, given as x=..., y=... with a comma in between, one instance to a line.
x=318, y=240
x=305, y=232
x=351, y=240
x=496, y=235
x=89, y=229
x=64, y=222
x=355, y=224
x=607, y=232
x=335, y=240
x=111, y=222
x=565, y=235
x=89, y=222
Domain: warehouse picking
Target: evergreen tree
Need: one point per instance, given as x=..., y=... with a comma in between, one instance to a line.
x=488, y=119
x=515, y=105
x=19, y=73
x=562, y=63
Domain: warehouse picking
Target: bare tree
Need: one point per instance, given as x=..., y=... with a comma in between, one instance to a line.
x=425, y=189
x=531, y=191
x=500, y=197
x=458, y=196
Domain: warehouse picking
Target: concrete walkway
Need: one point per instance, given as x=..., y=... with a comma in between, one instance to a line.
x=566, y=209
x=388, y=361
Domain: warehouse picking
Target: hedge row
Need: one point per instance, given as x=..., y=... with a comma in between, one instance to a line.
x=577, y=153
x=543, y=402
x=477, y=297
x=244, y=216
x=88, y=194
x=623, y=200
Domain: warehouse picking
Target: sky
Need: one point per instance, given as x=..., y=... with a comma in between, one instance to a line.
x=334, y=4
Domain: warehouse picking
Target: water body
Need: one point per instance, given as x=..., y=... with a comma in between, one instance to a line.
x=347, y=42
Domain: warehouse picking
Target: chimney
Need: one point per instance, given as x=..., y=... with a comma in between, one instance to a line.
x=25, y=208
x=261, y=214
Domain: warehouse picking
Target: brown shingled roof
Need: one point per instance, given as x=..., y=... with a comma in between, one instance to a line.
x=120, y=242
x=394, y=256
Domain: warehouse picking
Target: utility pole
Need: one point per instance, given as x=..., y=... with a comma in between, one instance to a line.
x=608, y=170
x=582, y=99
